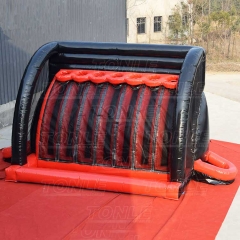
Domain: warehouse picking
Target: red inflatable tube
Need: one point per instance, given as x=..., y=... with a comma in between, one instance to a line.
x=7, y=152
x=94, y=177
x=216, y=167
x=94, y=181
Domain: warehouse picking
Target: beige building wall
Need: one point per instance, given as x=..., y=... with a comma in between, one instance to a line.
x=149, y=9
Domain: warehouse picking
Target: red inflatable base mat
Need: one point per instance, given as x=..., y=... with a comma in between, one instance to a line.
x=36, y=211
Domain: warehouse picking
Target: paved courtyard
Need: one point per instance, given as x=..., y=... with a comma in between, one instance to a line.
x=223, y=97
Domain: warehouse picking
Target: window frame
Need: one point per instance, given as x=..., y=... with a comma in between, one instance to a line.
x=157, y=24
x=141, y=25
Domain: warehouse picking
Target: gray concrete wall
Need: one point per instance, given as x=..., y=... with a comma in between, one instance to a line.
x=25, y=25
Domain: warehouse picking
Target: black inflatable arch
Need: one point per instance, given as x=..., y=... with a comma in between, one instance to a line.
x=190, y=135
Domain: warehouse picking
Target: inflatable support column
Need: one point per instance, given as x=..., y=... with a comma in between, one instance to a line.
x=127, y=118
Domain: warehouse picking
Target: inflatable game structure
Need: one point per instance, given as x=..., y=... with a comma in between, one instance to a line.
x=128, y=118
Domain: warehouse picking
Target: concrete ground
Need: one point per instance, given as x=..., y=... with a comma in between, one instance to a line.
x=223, y=97
x=5, y=136
x=225, y=85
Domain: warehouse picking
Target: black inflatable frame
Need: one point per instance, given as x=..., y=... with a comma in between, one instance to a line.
x=190, y=135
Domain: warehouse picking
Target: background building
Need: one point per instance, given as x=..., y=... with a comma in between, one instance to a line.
x=147, y=20
x=213, y=25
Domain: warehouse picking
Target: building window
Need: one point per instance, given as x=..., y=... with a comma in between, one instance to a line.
x=158, y=24
x=127, y=27
x=141, y=25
